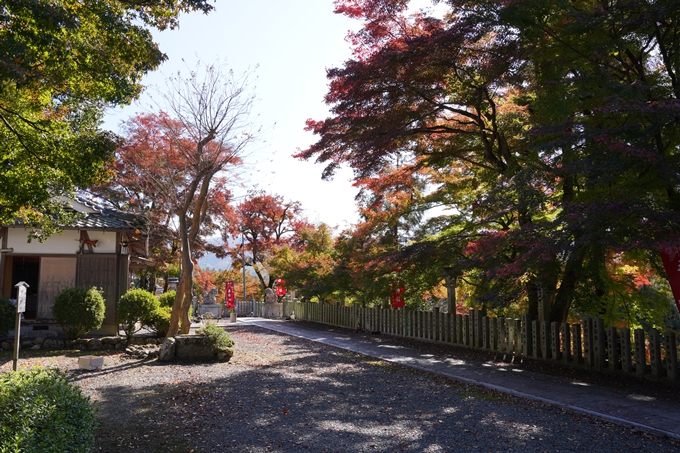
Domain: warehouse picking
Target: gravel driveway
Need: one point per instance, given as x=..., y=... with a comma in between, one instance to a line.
x=283, y=394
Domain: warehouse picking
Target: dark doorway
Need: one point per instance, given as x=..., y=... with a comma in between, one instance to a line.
x=27, y=269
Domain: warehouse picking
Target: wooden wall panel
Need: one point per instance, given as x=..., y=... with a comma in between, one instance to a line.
x=56, y=274
x=100, y=271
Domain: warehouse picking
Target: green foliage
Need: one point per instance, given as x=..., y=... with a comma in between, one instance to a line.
x=159, y=321
x=220, y=337
x=79, y=310
x=135, y=308
x=41, y=412
x=546, y=131
x=62, y=63
x=7, y=316
x=167, y=299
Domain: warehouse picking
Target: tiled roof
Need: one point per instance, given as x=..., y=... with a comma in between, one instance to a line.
x=108, y=218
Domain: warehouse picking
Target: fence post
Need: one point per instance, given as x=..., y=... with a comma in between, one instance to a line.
x=566, y=342
x=545, y=340
x=446, y=326
x=671, y=346
x=510, y=328
x=493, y=334
x=626, y=352
x=518, y=337
x=576, y=341
x=466, y=330
x=555, y=340
x=640, y=352
x=598, y=343
x=474, y=333
x=613, y=348
x=501, y=336
x=526, y=336
x=655, y=352
x=536, y=338
x=459, y=329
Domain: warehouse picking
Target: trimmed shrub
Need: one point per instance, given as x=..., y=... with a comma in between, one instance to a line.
x=7, y=316
x=159, y=321
x=79, y=310
x=220, y=337
x=41, y=412
x=168, y=299
x=135, y=308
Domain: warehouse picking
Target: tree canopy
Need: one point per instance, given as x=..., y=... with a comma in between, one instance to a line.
x=62, y=62
x=545, y=132
x=264, y=222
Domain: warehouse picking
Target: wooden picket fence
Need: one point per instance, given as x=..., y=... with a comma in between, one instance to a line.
x=249, y=308
x=587, y=344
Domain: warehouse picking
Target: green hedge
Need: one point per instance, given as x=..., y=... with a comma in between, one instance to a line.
x=79, y=310
x=135, y=308
x=168, y=298
x=159, y=321
x=41, y=412
x=7, y=316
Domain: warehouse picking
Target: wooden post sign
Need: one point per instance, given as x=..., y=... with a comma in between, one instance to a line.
x=21, y=307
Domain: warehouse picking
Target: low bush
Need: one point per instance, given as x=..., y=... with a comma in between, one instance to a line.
x=41, y=412
x=135, y=308
x=220, y=337
x=7, y=316
x=79, y=311
x=168, y=298
x=159, y=321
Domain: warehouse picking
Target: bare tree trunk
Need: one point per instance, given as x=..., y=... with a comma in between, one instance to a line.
x=179, y=319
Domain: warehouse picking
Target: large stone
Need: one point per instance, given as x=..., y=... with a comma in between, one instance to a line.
x=38, y=334
x=90, y=362
x=94, y=343
x=53, y=343
x=225, y=355
x=111, y=340
x=194, y=347
x=80, y=343
x=214, y=309
x=167, y=351
x=272, y=310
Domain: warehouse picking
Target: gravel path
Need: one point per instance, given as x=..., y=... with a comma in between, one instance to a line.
x=283, y=394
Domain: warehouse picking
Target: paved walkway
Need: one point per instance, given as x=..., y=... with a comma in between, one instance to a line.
x=641, y=411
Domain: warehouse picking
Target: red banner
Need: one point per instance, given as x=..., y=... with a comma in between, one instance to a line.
x=280, y=287
x=229, y=298
x=671, y=262
x=398, y=296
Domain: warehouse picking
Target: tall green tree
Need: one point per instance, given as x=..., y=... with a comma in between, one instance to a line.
x=62, y=62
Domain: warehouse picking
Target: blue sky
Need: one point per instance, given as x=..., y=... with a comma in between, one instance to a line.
x=292, y=43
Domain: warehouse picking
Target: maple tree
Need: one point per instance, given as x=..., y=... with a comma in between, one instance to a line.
x=149, y=179
x=172, y=166
x=546, y=128
x=309, y=266
x=62, y=63
x=263, y=221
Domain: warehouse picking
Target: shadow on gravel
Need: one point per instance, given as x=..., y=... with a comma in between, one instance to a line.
x=284, y=394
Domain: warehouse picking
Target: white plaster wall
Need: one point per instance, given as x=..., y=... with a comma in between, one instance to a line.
x=65, y=243
x=107, y=241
